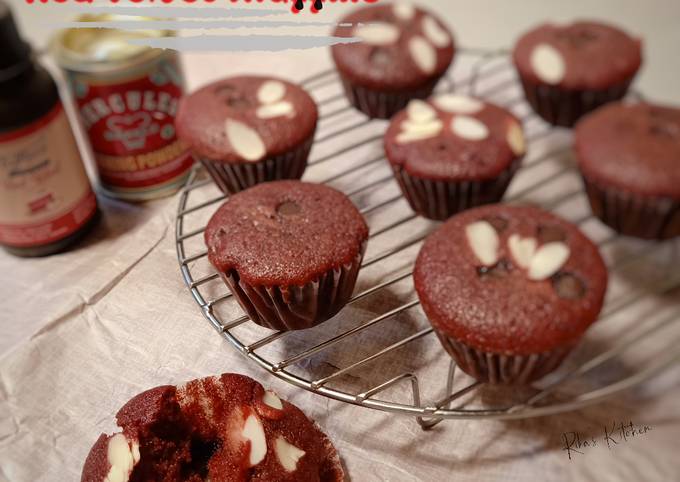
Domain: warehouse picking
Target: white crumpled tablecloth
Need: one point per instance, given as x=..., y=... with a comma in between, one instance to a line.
x=82, y=332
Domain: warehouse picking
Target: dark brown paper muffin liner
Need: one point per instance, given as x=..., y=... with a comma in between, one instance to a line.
x=439, y=200
x=287, y=308
x=562, y=107
x=502, y=369
x=233, y=178
x=383, y=105
x=646, y=217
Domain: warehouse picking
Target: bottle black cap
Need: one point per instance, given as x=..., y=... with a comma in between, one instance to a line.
x=14, y=52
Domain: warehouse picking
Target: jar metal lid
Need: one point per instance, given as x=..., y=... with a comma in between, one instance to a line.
x=103, y=49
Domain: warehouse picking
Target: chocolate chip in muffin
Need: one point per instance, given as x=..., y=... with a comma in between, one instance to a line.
x=568, y=286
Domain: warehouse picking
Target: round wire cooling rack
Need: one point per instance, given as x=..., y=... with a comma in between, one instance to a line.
x=388, y=358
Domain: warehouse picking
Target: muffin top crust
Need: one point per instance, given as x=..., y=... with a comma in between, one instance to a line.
x=401, y=47
x=246, y=119
x=512, y=280
x=285, y=233
x=454, y=137
x=634, y=147
x=583, y=55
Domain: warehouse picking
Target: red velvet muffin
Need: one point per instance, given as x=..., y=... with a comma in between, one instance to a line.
x=509, y=290
x=248, y=130
x=226, y=429
x=570, y=70
x=404, y=52
x=289, y=251
x=453, y=152
x=629, y=155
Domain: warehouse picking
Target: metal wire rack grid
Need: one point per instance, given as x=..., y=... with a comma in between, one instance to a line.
x=489, y=74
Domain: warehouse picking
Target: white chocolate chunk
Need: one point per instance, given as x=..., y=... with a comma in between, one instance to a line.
x=135, y=452
x=434, y=125
x=117, y=475
x=287, y=454
x=484, y=242
x=404, y=11
x=276, y=110
x=121, y=457
x=271, y=91
x=439, y=37
x=119, y=453
x=548, y=260
x=458, y=104
x=515, y=138
x=379, y=33
x=420, y=111
x=254, y=433
x=522, y=249
x=469, y=128
x=246, y=141
x=548, y=64
x=418, y=132
x=414, y=136
x=270, y=398
x=423, y=54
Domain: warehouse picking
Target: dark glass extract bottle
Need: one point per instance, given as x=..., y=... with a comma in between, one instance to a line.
x=46, y=199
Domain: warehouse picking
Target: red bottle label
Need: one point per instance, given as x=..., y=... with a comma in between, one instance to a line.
x=130, y=124
x=45, y=194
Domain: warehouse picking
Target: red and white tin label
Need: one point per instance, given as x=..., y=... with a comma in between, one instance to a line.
x=45, y=194
x=130, y=121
